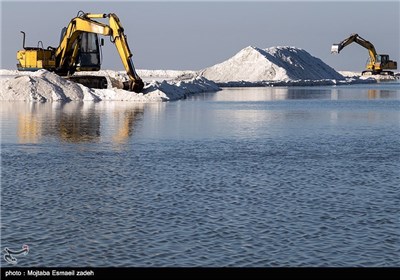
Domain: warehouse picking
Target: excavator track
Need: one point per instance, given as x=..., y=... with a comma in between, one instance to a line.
x=371, y=73
x=101, y=82
x=90, y=81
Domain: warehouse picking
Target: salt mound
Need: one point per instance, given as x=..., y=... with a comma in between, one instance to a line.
x=45, y=86
x=253, y=64
x=41, y=86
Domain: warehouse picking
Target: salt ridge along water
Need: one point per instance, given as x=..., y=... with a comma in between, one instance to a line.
x=253, y=64
x=250, y=67
x=45, y=86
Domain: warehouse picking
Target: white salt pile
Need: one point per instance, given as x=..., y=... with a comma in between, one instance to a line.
x=382, y=77
x=45, y=86
x=42, y=86
x=253, y=64
x=165, y=74
x=275, y=66
x=146, y=75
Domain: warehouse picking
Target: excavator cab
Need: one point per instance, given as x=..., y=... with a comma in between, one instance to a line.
x=89, y=55
x=382, y=58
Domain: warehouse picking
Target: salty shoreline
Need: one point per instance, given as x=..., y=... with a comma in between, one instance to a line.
x=250, y=67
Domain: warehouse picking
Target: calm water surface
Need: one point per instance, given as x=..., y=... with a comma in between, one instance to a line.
x=241, y=177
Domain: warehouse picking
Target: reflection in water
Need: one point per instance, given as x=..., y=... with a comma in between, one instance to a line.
x=378, y=94
x=334, y=94
x=248, y=112
x=125, y=124
x=29, y=128
x=269, y=94
x=76, y=122
x=373, y=94
x=297, y=93
x=255, y=94
x=357, y=94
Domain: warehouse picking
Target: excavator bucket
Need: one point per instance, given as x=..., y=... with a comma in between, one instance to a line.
x=137, y=86
x=132, y=85
x=335, y=48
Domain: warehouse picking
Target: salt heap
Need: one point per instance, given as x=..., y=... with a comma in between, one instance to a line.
x=253, y=64
x=45, y=86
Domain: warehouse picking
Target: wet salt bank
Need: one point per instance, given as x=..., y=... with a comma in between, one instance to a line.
x=250, y=67
x=45, y=86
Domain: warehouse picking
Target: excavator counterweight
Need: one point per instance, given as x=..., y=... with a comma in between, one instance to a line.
x=80, y=50
x=377, y=64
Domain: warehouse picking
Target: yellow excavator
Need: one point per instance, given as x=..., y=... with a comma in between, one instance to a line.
x=377, y=63
x=80, y=50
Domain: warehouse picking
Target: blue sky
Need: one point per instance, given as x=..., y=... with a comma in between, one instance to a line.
x=195, y=35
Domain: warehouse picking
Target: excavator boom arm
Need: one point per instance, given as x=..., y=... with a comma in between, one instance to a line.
x=122, y=46
x=336, y=48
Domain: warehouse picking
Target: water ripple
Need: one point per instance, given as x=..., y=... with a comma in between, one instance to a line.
x=306, y=194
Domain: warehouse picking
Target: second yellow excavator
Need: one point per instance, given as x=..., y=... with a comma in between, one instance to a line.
x=377, y=63
x=80, y=50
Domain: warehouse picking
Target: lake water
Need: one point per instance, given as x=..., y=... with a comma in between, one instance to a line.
x=253, y=177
